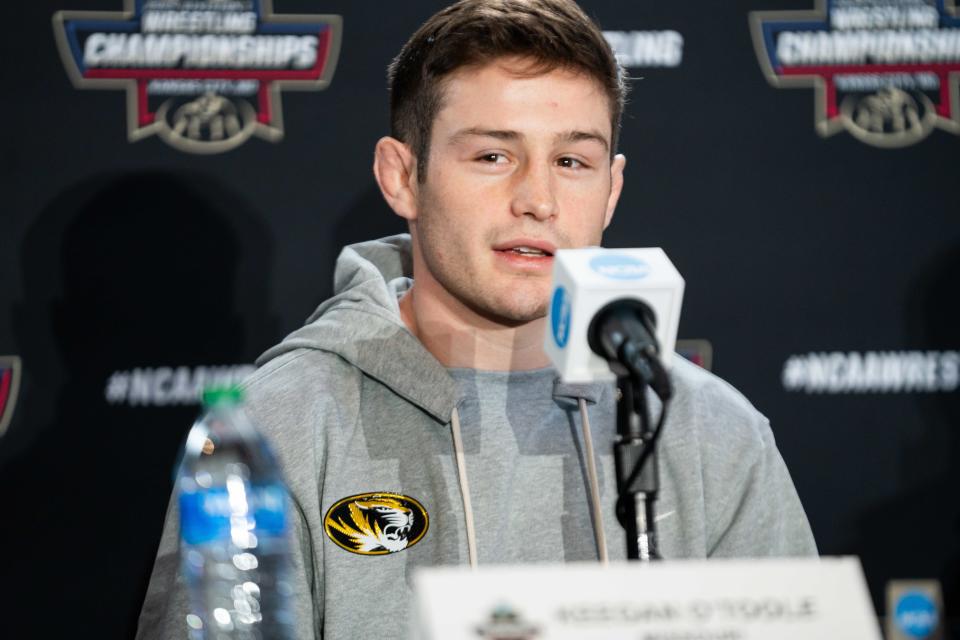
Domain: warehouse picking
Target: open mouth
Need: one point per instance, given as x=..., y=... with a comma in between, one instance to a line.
x=526, y=249
x=529, y=252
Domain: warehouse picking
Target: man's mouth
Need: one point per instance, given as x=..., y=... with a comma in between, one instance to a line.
x=530, y=251
x=526, y=248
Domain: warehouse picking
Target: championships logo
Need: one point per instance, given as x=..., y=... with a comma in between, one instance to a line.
x=9, y=386
x=204, y=75
x=887, y=71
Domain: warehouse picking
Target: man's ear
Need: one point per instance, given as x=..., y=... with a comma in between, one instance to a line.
x=395, y=168
x=616, y=186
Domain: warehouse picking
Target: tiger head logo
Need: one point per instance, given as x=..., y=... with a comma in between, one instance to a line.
x=376, y=523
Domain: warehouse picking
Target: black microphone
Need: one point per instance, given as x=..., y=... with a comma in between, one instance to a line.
x=623, y=333
x=608, y=297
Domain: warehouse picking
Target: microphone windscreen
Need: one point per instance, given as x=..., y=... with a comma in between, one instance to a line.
x=585, y=281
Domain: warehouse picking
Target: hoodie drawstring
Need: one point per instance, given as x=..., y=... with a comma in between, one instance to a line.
x=464, y=488
x=592, y=481
x=594, y=484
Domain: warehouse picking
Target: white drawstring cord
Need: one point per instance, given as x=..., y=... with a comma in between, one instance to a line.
x=594, y=484
x=464, y=488
x=591, y=480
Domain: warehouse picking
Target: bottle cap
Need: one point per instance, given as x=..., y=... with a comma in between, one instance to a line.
x=219, y=396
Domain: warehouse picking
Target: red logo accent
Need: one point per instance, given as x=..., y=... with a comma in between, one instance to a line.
x=9, y=386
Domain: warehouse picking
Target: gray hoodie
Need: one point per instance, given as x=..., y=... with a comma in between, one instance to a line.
x=360, y=415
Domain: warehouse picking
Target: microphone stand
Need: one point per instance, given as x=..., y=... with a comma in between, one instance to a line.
x=638, y=481
x=622, y=333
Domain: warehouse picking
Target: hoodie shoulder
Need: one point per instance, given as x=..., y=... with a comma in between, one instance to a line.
x=751, y=507
x=724, y=417
x=303, y=391
x=300, y=373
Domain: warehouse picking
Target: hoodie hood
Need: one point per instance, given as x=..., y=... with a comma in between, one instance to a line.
x=361, y=324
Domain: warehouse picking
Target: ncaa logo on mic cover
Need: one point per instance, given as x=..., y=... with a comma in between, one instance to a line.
x=9, y=387
x=203, y=75
x=620, y=267
x=886, y=71
x=560, y=316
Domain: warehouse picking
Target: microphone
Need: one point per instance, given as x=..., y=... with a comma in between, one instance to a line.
x=622, y=334
x=612, y=313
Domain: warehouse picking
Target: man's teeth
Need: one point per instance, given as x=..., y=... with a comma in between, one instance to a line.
x=528, y=251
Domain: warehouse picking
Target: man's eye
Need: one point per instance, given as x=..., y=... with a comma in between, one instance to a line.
x=570, y=163
x=493, y=158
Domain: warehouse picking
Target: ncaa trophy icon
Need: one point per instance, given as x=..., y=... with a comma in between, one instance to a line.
x=890, y=113
x=210, y=117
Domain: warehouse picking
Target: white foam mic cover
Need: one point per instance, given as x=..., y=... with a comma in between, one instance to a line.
x=586, y=280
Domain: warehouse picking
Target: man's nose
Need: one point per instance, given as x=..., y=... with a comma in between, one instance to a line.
x=534, y=193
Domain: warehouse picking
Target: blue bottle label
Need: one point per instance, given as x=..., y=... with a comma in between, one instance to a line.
x=209, y=514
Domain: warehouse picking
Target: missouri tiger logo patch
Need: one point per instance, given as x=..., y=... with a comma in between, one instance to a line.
x=374, y=524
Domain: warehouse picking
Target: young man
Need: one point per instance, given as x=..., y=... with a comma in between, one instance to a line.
x=418, y=422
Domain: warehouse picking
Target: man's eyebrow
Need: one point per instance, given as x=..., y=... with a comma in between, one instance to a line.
x=499, y=134
x=506, y=134
x=580, y=136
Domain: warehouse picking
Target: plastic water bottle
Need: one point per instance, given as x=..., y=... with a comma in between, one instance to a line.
x=233, y=527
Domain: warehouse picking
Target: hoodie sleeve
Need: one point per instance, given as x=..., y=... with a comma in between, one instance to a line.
x=275, y=401
x=165, y=608
x=762, y=515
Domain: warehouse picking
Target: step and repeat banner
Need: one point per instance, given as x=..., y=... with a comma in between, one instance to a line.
x=180, y=175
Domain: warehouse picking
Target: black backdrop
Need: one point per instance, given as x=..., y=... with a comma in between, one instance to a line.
x=121, y=256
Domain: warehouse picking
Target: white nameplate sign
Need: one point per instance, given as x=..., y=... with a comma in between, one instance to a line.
x=781, y=599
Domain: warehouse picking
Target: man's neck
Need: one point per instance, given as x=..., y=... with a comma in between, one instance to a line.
x=460, y=338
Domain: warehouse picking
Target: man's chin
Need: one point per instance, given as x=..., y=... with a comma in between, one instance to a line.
x=518, y=319
x=513, y=315
x=511, y=306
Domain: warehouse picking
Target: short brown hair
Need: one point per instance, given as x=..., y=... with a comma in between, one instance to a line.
x=551, y=33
